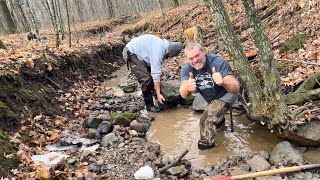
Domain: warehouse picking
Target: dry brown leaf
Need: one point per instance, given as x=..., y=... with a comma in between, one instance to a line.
x=8, y=156
x=42, y=171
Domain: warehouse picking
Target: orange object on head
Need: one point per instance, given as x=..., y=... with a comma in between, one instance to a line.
x=251, y=54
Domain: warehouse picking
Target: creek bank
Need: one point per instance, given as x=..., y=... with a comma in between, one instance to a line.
x=34, y=89
x=117, y=126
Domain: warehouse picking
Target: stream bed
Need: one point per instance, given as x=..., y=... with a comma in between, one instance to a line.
x=177, y=129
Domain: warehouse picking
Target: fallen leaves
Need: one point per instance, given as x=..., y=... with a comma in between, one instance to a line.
x=42, y=171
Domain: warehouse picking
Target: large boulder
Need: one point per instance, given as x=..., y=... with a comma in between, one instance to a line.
x=170, y=92
x=285, y=154
x=199, y=103
x=307, y=134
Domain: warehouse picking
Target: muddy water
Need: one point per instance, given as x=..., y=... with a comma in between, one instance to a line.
x=178, y=129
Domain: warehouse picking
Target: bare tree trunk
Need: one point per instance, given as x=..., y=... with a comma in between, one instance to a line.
x=269, y=71
x=176, y=3
x=33, y=19
x=242, y=67
x=160, y=7
x=68, y=19
x=9, y=25
x=25, y=24
x=55, y=23
x=35, y=23
x=52, y=13
x=110, y=8
x=61, y=22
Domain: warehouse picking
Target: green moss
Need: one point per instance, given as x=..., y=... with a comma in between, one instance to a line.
x=137, y=29
x=5, y=111
x=46, y=88
x=294, y=43
x=2, y=45
x=28, y=94
x=125, y=114
x=52, y=61
x=7, y=148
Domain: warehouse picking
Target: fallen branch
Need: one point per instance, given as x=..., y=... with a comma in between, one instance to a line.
x=309, y=83
x=53, y=83
x=177, y=21
x=298, y=61
x=301, y=97
x=300, y=110
x=173, y=163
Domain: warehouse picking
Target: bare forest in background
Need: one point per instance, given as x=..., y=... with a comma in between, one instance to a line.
x=23, y=16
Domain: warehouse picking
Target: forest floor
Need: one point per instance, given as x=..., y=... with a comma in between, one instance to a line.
x=37, y=130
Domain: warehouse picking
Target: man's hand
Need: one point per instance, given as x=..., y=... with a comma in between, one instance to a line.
x=216, y=77
x=160, y=98
x=192, y=86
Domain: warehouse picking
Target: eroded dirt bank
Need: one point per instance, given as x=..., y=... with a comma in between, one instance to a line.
x=34, y=91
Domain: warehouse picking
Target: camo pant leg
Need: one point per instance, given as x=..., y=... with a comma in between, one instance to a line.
x=210, y=118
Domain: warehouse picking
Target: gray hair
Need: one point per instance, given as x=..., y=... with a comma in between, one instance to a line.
x=193, y=45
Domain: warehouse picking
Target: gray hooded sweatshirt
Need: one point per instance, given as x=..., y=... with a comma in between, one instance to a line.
x=152, y=50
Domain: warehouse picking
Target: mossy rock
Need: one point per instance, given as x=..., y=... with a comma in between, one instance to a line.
x=7, y=148
x=129, y=87
x=2, y=45
x=123, y=119
x=294, y=43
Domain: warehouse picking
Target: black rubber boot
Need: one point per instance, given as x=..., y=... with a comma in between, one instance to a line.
x=202, y=145
x=148, y=100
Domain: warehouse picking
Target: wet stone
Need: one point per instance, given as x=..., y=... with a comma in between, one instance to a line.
x=103, y=100
x=170, y=177
x=109, y=140
x=107, y=106
x=244, y=167
x=264, y=154
x=103, y=129
x=92, y=132
x=72, y=161
x=93, y=122
x=94, y=168
x=137, y=126
x=258, y=163
x=121, y=120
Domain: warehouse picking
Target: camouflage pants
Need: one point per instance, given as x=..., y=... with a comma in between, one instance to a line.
x=210, y=119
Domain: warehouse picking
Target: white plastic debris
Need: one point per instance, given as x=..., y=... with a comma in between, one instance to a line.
x=60, y=148
x=144, y=172
x=49, y=159
x=91, y=148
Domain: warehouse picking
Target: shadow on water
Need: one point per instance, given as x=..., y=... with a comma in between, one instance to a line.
x=178, y=129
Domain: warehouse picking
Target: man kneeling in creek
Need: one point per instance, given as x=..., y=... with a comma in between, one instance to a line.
x=212, y=77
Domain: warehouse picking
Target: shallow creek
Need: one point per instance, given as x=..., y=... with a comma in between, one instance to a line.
x=178, y=129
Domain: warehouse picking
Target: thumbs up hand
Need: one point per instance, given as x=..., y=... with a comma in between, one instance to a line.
x=192, y=86
x=216, y=77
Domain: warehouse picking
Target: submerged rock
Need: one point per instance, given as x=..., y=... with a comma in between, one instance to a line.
x=285, y=154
